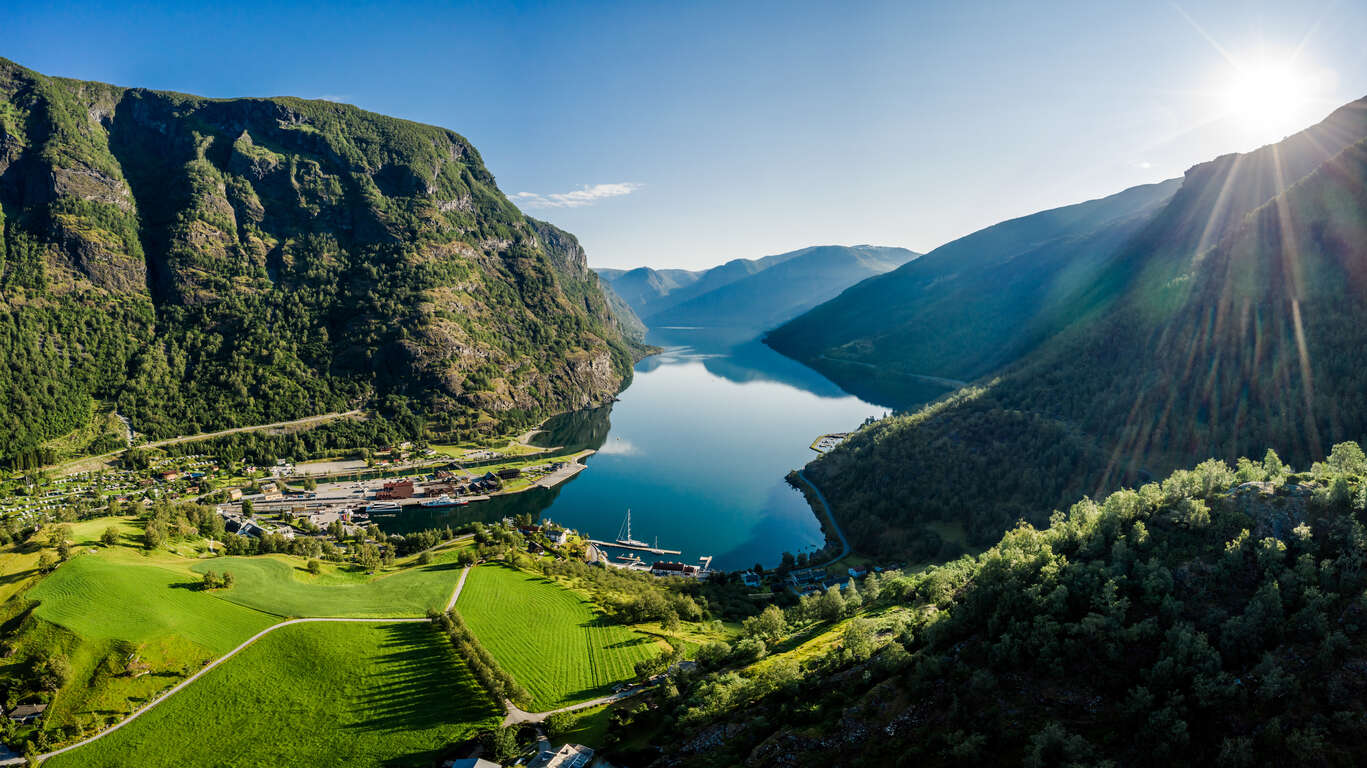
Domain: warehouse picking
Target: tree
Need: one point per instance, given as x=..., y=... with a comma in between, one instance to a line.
x=370, y=556
x=64, y=550
x=45, y=563
x=831, y=605
x=248, y=508
x=857, y=639
x=228, y=580
x=769, y=625
x=209, y=580
x=310, y=484
x=315, y=567
x=425, y=558
x=110, y=537
x=154, y=534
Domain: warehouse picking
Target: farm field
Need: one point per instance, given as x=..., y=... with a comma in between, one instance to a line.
x=120, y=595
x=548, y=638
x=282, y=586
x=334, y=693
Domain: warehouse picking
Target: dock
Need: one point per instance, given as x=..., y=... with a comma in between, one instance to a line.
x=651, y=550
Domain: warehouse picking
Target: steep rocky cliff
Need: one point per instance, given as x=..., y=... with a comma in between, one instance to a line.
x=203, y=263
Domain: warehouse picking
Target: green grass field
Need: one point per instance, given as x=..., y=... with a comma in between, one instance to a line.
x=282, y=586
x=548, y=638
x=115, y=596
x=310, y=695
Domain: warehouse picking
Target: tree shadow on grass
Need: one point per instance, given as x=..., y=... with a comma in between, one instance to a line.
x=421, y=684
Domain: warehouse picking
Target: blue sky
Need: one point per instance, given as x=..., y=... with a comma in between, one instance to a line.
x=687, y=134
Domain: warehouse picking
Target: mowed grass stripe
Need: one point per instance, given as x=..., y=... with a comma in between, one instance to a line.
x=329, y=693
x=548, y=638
x=105, y=598
x=277, y=585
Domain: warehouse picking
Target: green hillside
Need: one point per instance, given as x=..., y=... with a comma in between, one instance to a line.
x=206, y=263
x=310, y=695
x=1215, y=618
x=553, y=642
x=1253, y=341
x=970, y=306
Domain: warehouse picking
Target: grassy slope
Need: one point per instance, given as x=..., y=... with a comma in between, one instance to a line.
x=550, y=640
x=307, y=695
x=111, y=595
x=281, y=586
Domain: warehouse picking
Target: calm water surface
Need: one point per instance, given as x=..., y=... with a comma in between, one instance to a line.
x=697, y=448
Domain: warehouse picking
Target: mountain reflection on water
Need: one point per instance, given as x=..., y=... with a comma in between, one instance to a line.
x=697, y=447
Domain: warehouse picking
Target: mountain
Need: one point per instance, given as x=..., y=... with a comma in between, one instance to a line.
x=1214, y=618
x=750, y=294
x=1234, y=319
x=204, y=263
x=787, y=288
x=970, y=306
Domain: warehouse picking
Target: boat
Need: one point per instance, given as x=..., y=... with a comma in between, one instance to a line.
x=382, y=507
x=443, y=501
x=625, y=539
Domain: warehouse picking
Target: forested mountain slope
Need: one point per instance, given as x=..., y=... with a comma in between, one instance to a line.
x=1236, y=324
x=786, y=289
x=971, y=305
x=205, y=263
x=1216, y=618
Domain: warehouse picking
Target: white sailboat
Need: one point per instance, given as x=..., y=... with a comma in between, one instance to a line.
x=625, y=538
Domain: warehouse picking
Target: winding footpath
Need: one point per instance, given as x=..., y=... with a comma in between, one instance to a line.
x=455, y=594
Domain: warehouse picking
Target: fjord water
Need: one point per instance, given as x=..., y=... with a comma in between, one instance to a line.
x=697, y=447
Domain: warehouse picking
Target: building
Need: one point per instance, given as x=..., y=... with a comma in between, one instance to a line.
x=470, y=762
x=509, y=473
x=857, y=573
x=558, y=537
x=398, y=489
x=751, y=579
x=568, y=756
x=27, y=713
x=234, y=494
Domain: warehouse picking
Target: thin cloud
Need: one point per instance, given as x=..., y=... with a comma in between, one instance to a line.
x=588, y=195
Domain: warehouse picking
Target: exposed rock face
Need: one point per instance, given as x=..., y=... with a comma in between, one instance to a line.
x=285, y=257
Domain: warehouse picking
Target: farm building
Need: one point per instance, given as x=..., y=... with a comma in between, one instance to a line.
x=27, y=713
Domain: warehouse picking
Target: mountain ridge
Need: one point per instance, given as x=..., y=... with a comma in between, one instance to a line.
x=207, y=263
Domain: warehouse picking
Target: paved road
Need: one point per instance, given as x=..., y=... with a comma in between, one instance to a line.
x=830, y=515
x=176, y=688
x=455, y=593
x=516, y=715
x=85, y=464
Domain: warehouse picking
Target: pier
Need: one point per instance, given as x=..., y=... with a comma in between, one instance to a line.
x=651, y=550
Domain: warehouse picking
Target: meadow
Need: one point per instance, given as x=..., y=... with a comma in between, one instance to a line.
x=282, y=586
x=119, y=594
x=552, y=641
x=306, y=695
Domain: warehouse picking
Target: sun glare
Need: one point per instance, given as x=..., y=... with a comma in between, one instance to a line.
x=1266, y=97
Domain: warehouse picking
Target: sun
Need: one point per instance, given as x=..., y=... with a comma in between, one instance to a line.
x=1267, y=95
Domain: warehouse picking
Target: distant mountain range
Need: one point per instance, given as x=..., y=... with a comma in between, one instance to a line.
x=1108, y=342
x=750, y=296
